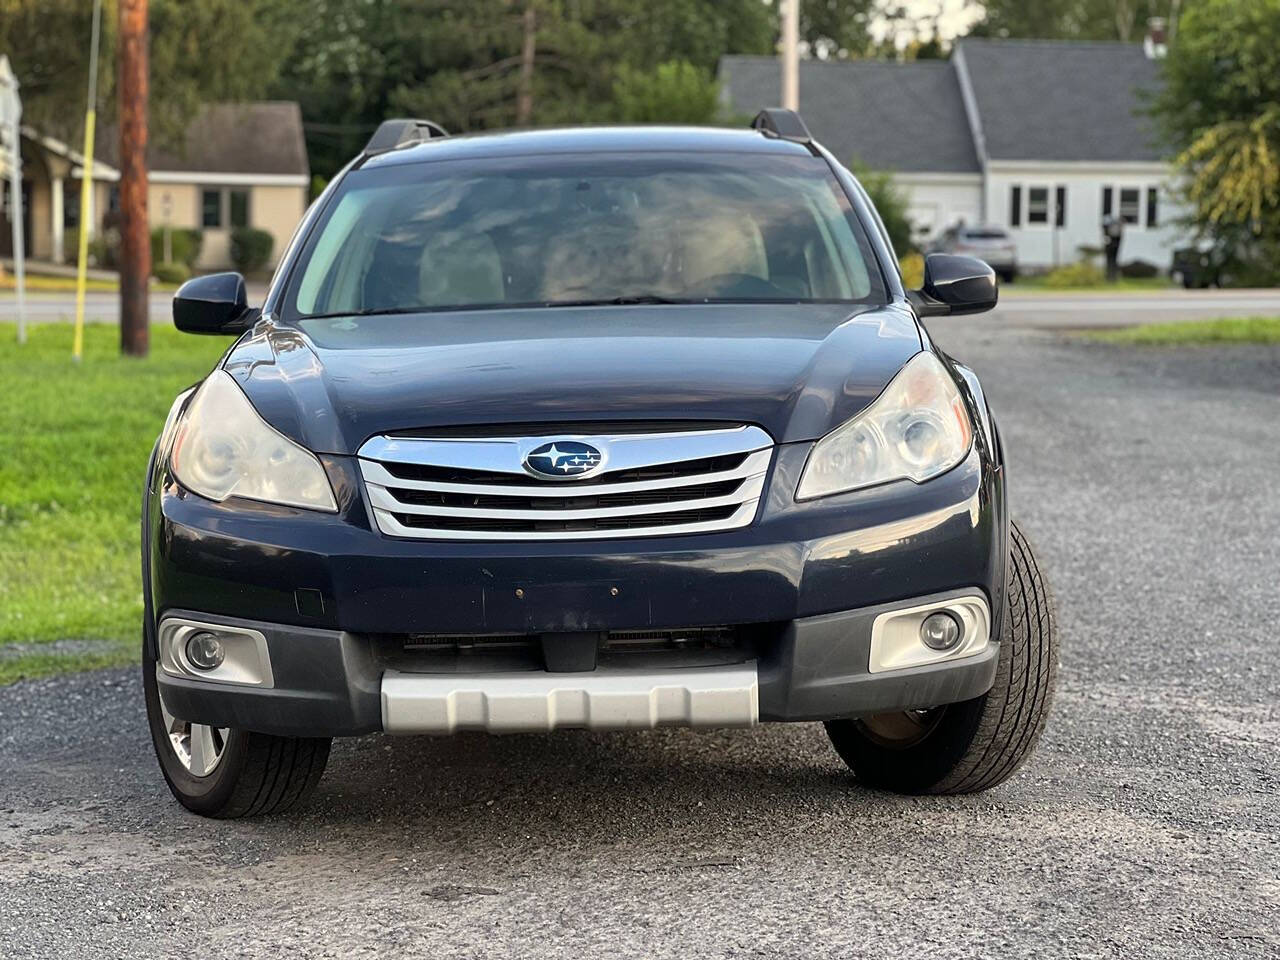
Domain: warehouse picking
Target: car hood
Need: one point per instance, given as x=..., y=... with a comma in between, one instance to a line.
x=797, y=370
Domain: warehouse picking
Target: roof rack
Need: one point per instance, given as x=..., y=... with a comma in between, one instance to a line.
x=783, y=124
x=398, y=133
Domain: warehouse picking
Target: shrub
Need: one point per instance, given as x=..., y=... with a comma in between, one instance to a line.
x=1089, y=252
x=1080, y=274
x=250, y=249
x=104, y=248
x=184, y=245
x=170, y=272
x=1254, y=265
x=1139, y=270
x=891, y=203
x=674, y=92
x=912, y=267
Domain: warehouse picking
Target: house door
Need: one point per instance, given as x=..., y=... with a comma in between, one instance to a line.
x=6, y=225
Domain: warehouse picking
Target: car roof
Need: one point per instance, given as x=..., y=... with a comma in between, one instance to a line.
x=601, y=139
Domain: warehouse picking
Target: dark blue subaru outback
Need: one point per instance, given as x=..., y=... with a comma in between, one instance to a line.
x=605, y=428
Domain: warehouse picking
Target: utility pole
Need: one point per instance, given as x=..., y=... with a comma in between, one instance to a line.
x=791, y=54
x=135, y=237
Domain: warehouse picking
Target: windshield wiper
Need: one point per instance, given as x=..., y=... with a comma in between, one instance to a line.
x=364, y=312
x=624, y=301
x=629, y=300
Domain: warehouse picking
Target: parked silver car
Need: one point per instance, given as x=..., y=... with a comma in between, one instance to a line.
x=992, y=244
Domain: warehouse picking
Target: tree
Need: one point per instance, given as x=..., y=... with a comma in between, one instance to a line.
x=675, y=92
x=1219, y=106
x=340, y=72
x=890, y=203
x=836, y=28
x=47, y=42
x=199, y=52
x=484, y=64
x=1074, y=19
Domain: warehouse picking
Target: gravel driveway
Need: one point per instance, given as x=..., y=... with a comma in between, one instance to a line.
x=1148, y=825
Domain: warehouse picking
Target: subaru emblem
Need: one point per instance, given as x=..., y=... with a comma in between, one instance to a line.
x=563, y=459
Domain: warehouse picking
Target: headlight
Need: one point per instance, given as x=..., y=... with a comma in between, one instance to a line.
x=916, y=429
x=223, y=449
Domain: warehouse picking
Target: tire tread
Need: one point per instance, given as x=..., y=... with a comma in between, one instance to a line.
x=278, y=773
x=1012, y=724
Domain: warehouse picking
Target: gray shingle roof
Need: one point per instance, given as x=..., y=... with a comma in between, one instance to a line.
x=1061, y=100
x=264, y=137
x=906, y=117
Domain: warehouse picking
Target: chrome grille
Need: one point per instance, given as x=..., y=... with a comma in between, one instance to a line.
x=477, y=488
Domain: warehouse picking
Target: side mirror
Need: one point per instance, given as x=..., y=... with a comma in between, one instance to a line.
x=216, y=303
x=955, y=285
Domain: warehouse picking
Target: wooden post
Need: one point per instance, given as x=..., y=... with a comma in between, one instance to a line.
x=135, y=236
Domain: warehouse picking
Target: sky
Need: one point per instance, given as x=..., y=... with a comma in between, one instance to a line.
x=953, y=18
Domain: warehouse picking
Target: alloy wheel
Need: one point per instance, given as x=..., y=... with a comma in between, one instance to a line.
x=198, y=747
x=901, y=729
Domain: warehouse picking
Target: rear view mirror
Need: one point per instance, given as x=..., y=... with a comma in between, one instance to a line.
x=217, y=303
x=955, y=285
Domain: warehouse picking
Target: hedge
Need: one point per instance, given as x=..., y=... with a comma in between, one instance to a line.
x=184, y=245
x=250, y=249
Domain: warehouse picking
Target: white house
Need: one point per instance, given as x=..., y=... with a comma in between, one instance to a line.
x=1044, y=138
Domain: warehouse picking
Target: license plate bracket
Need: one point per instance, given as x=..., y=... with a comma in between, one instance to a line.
x=568, y=607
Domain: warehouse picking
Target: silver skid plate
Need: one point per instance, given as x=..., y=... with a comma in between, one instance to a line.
x=725, y=696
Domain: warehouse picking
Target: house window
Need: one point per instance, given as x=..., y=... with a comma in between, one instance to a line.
x=1153, y=219
x=71, y=207
x=1130, y=204
x=239, y=206
x=211, y=208
x=1037, y=205
x=1037, y=209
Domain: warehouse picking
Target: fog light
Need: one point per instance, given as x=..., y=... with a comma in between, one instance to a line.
x=204, y=651
x=940, y=631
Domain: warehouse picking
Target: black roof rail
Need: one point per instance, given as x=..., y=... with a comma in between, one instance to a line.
x=784, y=124
x=397, y=133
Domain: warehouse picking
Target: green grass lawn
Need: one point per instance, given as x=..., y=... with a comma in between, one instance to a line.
x=74, y=443
x=1225, y=330
x=1040, y=283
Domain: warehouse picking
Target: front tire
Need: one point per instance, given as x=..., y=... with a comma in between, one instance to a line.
x=975, y=745
x=228, y=774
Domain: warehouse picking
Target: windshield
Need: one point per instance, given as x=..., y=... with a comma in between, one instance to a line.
x=609, y=228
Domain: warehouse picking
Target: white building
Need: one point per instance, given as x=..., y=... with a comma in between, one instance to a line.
x=1043, y=138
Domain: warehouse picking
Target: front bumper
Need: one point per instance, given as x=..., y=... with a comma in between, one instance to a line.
x=329, y=594
x=337, y=684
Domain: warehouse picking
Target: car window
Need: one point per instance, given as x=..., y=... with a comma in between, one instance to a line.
x=986, y=234
x=564, y=229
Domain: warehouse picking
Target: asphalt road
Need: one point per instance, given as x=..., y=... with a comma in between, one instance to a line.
x=99, y=306
x=1148, y=824
x=1043, y=309
x=1050, y=310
